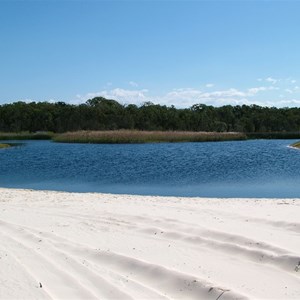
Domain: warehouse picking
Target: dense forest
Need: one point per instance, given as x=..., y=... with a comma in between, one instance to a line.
x=104, y=114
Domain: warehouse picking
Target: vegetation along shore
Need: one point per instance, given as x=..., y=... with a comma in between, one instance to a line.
x=143, y=136
x=296, y=145
x=106, y=114
x=135, y=136
x=4, y=146
x=101, y=120
x=26, y=135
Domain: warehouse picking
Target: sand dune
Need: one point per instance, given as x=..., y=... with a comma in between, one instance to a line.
x=98, y=246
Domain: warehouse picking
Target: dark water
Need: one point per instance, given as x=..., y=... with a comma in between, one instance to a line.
x=259, y=168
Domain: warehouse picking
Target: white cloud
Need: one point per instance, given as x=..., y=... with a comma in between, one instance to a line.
x=186, y=97
x=290, y=80
x=232, y=92
x=134, y=84
x=122, y=95
x=269, y=79
x=255, y=90
x=272, y=93
x=28, y=100
x=272, y=80
x=278, y=90
x=289, y=103
x=209, y=85
x=181, y=97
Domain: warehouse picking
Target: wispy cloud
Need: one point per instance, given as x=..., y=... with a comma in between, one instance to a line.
x=133, y=83
x=272, y=80
x=289, y=103
x=255, y=90
x=276, y=81
x=182, y=97
x=122, y=95
x=269, y=79
x=30, y=100
x=209, y=85
x=186, y=97
x=270, y=92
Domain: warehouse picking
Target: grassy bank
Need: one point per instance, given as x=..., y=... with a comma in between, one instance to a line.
x=135, y=136
x=26, y=136
x=296, y=145
x=4, y=146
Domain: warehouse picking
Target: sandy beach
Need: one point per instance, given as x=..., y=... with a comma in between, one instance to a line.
x=57, y=245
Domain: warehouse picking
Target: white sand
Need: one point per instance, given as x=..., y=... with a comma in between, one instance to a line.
x=98, y=246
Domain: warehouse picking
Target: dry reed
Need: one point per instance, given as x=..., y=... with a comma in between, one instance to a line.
x=135, y=136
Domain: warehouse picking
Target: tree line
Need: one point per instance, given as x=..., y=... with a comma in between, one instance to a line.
x=106, y=114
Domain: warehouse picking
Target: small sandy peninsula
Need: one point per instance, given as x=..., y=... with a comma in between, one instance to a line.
x=57, y=245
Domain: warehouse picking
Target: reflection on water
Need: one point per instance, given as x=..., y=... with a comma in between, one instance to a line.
x=262, y=168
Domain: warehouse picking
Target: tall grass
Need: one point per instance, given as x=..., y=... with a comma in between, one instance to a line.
x=25, y=136
x=3, y=146
x=135, y=136
x=296, y=145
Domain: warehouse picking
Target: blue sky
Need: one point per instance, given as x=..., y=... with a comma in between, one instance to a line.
x=167, y=52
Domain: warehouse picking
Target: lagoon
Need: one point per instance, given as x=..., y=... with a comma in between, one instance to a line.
x=253, y=168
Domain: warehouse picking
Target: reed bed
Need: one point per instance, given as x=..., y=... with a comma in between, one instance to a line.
x=296, y=145
x=4, y=146
x=136, y=137
x=25, y=136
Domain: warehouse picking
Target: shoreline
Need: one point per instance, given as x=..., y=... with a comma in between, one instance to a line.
x=111, y=246
x=292, y=147
x=209, y=198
